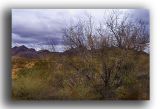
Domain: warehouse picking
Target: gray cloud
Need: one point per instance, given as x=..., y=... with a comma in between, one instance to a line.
x=140, y=14
x=32, y=26
x=36, y=26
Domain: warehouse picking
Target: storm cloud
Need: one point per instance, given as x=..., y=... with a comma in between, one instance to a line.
x=34, y=26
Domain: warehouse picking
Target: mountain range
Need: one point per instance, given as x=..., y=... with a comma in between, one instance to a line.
x=23, y=51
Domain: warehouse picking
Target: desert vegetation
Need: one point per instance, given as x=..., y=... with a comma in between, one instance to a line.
x=104, y=61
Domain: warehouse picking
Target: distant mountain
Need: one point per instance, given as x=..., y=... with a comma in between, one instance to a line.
x=74, y=51
x=23, y=51
x=43, y=52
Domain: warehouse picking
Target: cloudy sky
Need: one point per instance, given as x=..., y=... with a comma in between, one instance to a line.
x=34, y=27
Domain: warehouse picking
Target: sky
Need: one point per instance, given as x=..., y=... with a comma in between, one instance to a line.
x=35, y=27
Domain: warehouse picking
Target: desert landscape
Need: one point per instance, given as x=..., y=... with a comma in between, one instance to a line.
x=98, y=61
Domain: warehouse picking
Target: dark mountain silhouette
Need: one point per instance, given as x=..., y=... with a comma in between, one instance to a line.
x=23, y=51
x=44, y=52
x=75, y=51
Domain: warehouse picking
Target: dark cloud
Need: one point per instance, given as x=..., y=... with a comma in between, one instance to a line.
x=33, y=26
x=140, y=14
x=36, y=39
x=18, y=41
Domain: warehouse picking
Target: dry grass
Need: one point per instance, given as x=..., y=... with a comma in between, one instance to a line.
x=76, y=77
